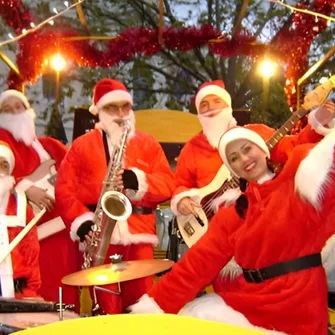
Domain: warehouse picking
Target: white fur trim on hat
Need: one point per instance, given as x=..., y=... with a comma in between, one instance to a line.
x=14, y=93
x=237, y=134
x=7, y=153
x=110, y=97
x=212, y=90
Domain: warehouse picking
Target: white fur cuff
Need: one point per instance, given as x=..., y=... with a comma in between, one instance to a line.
x=142, y=186
x=88, y=216
x=317, y=126
x=227, y=198
x=146, y=305
x=328, y=255
x=192, y=193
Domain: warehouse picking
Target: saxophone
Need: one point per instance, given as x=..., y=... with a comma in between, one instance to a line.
x=112, y=206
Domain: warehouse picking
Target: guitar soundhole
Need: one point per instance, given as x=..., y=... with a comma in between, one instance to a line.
x=189, y=229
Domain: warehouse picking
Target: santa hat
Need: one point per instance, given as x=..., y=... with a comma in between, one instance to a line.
x=215, y=87
x=108, y=91
x=7, y=153
x=15, y=94
x=239, y=133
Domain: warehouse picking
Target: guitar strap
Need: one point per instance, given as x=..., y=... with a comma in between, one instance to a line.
x=105, y=141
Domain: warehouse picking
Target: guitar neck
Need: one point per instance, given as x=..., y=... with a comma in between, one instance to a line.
x=286, y=127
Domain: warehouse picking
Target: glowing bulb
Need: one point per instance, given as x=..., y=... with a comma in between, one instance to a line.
x=323, y=79
x=24, y=31
x=267, y=68
x=66, y=3
x=58, y=63
x=10, y=35
x=51, y=22
x=32, y=24
x=55, y=10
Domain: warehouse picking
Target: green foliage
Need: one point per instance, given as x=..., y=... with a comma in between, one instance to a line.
x=170, y=79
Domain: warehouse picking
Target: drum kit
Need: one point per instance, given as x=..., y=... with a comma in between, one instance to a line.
x=21, y=314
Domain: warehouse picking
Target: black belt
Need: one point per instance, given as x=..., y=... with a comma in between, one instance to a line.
x=19, y=285
x=135, y=209
x=279, y=269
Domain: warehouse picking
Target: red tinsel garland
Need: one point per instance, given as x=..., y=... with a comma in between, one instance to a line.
x=292, y=43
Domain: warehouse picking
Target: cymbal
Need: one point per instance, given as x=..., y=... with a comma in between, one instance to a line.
x=117, y=273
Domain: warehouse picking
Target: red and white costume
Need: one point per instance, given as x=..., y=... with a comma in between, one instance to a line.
x=288, y=217
x=23, y=261
x=58, y=256
x=200, y=161
x=80, y=183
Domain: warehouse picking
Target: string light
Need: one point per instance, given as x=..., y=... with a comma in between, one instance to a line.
x=32, y=24
x=66, y=3
x=55, y=10
x=305, y=11
x=39, y=26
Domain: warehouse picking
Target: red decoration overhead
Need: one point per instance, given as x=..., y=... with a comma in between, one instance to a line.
x=292, y=43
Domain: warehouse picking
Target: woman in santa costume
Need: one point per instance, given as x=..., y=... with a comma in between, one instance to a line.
x=276, y=232
x=19, y=271
x=199, y=160
x=34, y=177
x=146, y=178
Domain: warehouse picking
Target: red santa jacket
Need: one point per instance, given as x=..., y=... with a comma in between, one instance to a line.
x=288, y=217
x=80, y=179
x=199, y=162
x=25, y=256
x=27, y=160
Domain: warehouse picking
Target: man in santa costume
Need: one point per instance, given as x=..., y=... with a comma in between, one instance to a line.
x=199, y=160
x=145, y=176
x=19, y=271
x=277, y=240
x=37, y=160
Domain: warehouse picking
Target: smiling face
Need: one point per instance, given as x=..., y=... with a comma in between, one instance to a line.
x=247, y=159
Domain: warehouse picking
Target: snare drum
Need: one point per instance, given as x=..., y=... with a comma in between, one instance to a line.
x=13, y=322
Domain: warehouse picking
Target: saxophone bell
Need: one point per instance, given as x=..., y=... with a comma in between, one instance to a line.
x=116, y=205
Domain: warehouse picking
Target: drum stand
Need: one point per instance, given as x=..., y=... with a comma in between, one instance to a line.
x=115, y=259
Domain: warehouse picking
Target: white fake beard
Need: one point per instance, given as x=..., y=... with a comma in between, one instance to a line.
x=21, y=125
x=113, y=130
x=6, y=185
x=214, y=127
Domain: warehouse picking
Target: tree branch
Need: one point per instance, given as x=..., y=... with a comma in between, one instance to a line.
x=202, y=61
x=265, y=21
x=181, y=65
x=210, y=11
x=240, y=16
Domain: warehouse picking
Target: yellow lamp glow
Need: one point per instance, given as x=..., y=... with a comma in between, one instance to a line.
x=267, y=68
x=58, y=63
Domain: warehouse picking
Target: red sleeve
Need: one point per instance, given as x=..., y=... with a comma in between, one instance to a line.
x=66, y=187
x=56, y=149
x=200, y=265
x=283, y=149
x=185, y=176
x=156, y=185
